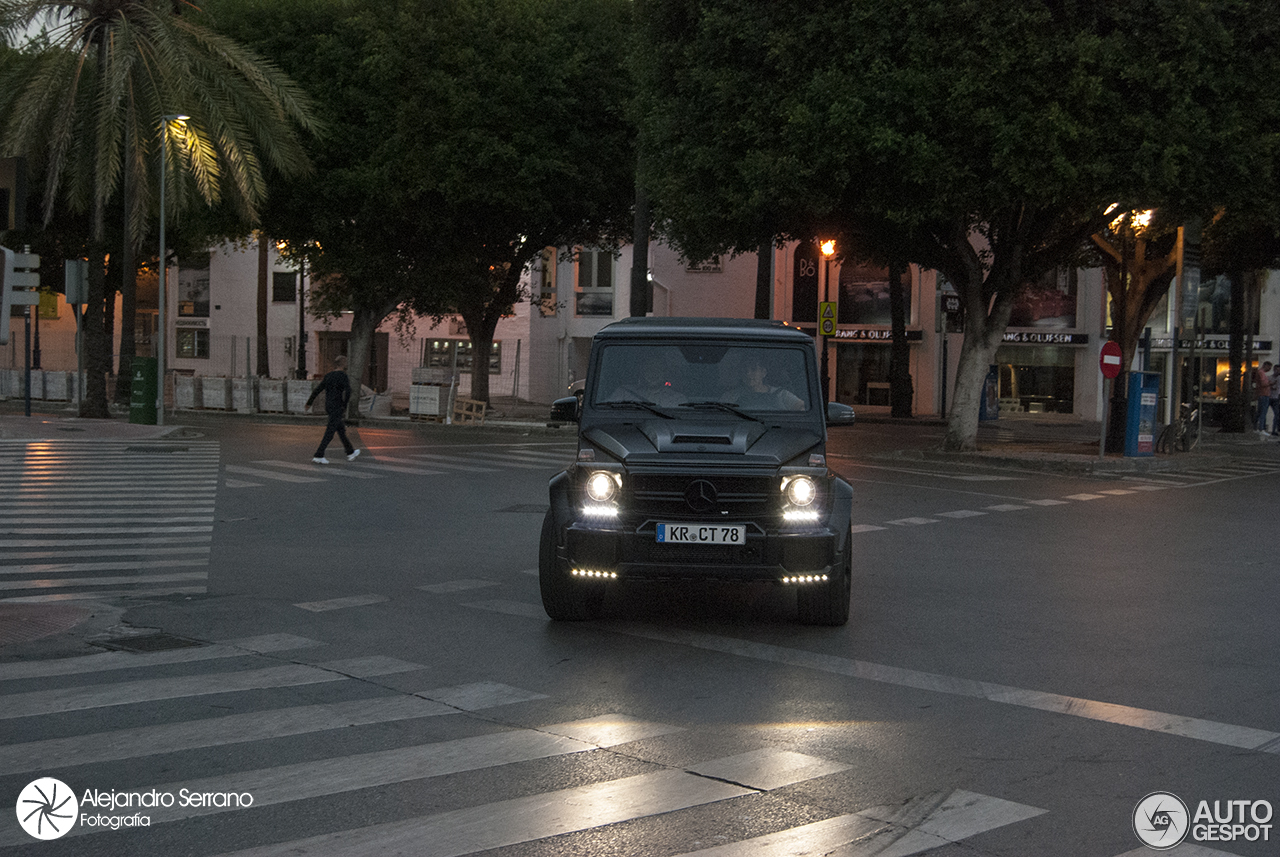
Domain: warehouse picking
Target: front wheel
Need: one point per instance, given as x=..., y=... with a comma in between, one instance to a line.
x=828, y=603
x=564, y=599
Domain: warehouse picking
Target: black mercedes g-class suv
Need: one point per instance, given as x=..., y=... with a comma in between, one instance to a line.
x=701, y=455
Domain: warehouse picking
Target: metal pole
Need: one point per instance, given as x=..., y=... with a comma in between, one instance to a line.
x=302, y=321
x=160, y=331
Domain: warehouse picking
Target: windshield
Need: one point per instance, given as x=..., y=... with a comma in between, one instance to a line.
x=750, y=378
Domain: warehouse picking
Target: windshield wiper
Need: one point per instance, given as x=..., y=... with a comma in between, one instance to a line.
x=636, y=403
x=722, y=406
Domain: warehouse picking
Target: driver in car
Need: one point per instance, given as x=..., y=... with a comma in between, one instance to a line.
x=755, y=393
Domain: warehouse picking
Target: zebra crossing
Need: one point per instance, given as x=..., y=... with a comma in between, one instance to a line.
x=249, y=677
x=144, y=785
x=105, y=518
x=404, y=461
x=1220, y=471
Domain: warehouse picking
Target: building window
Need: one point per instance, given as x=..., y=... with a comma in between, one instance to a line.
x=284, y=287
x=192, y=342
x=193, y=293
x=595, y=283
x=441, y=354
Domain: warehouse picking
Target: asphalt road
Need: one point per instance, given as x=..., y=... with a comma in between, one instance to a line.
x=1031, y=654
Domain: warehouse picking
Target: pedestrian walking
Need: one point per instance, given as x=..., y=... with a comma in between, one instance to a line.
x=1275, y=401
x=1262, y=388
x=336, y=387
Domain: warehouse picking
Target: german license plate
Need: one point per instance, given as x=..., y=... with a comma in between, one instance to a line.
x=702, y=534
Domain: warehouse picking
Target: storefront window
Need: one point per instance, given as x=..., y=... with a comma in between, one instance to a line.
x=1037, y=379
x=862, y=373
x=864, y=295
x=442, y=352
x=1049, y=302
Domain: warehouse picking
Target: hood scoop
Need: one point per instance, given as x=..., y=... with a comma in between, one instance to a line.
x=702, y=438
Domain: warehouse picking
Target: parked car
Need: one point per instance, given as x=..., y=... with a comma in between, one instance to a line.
x=701, y=455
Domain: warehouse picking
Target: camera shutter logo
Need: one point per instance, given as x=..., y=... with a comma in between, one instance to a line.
x=47, y=808
x=1161, y=820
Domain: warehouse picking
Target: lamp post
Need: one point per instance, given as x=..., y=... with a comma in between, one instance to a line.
x=828, y=248
x=160, y=329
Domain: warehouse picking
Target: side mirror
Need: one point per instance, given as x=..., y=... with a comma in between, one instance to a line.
x=839, y=414
x=566, y=410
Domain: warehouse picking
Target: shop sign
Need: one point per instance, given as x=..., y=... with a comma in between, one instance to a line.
x=875, y=334
x=1030, y=337
x=191, y=322
x=1204, y=343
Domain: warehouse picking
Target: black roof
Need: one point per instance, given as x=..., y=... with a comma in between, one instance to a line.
x=667, y=327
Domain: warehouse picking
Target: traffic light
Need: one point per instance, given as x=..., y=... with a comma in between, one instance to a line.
x=18, y=285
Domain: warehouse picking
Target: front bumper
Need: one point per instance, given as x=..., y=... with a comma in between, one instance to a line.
x=635, y=554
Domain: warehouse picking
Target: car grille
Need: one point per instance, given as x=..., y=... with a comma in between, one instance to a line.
x=736, y=497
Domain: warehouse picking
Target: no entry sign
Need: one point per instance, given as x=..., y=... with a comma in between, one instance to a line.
x=1110, y=360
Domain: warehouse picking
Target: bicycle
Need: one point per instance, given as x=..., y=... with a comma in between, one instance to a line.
x=1183, y=433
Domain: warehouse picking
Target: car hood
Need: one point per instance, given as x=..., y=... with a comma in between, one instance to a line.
x=672, y=441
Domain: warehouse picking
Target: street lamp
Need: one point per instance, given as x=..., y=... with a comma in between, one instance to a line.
x=828, y=248
x=160, y=330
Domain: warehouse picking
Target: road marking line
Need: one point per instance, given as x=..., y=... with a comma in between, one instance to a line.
x=442, y=460
x=912, y=522
x=311, y=468
x=152, y=690
x=865, y=528
x=60, y=583
x=511, y=608
x=323, y=777
x=391, y=468
x=961, y=513
x=1006, y=507
x=267, y=474
x=1083, y=497
x=1225, y=734
x=456, y=586
x=99, y=595
x=511, y=822
x=1048, y=502
x=240, y=648
x=64, y=567
x=339, y=603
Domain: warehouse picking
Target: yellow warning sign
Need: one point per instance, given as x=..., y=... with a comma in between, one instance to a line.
x=827, y=318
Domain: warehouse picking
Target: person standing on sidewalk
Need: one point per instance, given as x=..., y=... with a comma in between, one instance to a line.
x=336, y=387
x=1262, y=388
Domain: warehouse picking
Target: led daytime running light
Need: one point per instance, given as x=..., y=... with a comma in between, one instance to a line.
x=594, y=573
x=806, y=578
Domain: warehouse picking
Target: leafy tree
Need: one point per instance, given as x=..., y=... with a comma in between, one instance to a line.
x=468, y=135
x=990, y=138
x=109, y=72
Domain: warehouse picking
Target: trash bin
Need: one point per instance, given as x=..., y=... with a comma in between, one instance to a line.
x=1140, y=425
x=143, y=392
x=989, y=407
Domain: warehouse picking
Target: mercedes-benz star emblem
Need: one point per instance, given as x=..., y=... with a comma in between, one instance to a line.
x=700, y=495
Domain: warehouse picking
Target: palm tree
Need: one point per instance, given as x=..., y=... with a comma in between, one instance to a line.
x=90, y=112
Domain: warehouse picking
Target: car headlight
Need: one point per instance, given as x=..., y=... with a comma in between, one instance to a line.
x=603, y=486
x=799, y=491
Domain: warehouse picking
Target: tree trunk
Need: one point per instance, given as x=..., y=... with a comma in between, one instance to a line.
x=264, y=276
x=901, y=391
x=364, y=322
x=764, y=279
x=641, y=290
x=97, y=348
x=128, y=292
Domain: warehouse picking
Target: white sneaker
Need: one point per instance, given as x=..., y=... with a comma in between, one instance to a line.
x=352, y=456
x=319, y=461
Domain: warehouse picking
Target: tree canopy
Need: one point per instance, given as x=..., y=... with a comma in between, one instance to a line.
x=985, y=140
x=468, y=136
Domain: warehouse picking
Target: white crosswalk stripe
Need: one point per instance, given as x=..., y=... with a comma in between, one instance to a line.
x=251, y=676
x=380, y=463
x=101, y=518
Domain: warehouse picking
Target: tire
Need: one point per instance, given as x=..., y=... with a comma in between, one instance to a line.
x=564, y=599
x=828, y=604
x=1165, y=443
